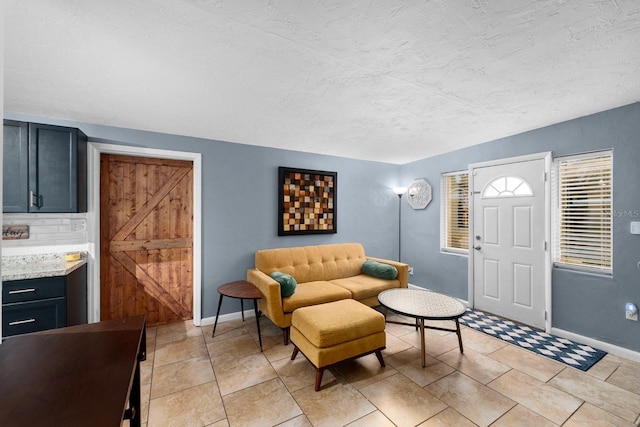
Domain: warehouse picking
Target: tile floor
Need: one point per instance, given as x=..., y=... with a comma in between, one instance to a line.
x=191, y=379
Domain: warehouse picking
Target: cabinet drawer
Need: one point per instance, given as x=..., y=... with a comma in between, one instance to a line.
x=32, y=289
x=25, y=317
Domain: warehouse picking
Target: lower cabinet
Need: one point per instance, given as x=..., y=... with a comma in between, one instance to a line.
x=32, y=305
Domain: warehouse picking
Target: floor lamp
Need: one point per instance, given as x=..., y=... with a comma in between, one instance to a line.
x=399, y=191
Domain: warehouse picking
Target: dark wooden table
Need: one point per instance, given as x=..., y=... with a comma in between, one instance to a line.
x=85, y=375
x=242, y=290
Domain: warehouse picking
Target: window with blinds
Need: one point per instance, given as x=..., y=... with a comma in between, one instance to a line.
x=584, y=206
x=454, y=215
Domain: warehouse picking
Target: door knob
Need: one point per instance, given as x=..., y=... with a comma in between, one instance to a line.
x=477, y=248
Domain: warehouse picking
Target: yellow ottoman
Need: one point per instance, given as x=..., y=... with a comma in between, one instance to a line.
x=336, y=331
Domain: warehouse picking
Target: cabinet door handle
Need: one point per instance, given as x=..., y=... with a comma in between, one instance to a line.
x=20, y=322
x=35, y=200
x=22, y=291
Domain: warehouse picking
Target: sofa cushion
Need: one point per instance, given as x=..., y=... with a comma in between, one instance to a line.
x=378, y=269
x=364, y=286
x=312, y=293
x=313, y=263
x=287, y=283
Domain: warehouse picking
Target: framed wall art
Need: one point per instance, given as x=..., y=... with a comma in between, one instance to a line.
x=307, y=201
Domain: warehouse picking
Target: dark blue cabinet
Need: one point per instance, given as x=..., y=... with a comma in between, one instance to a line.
x=45, y=168
x=33, y=305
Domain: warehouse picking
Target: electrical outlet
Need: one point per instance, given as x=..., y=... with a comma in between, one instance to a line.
x=410, y=271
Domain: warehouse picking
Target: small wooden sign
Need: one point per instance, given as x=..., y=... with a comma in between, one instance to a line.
x=15, y=232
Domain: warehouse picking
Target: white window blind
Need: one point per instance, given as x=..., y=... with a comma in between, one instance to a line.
x=584, y=211
x=454, y=218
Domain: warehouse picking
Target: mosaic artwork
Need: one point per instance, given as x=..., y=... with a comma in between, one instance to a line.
x=306, y=201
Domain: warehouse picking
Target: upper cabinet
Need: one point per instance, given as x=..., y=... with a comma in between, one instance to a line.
x=45, y=168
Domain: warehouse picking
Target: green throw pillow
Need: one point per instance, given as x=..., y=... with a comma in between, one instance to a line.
x=287, y=283
x=378, y=269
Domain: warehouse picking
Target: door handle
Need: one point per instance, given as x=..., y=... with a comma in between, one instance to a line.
x=477, y=248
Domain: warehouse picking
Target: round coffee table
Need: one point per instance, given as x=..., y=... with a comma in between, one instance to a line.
x=423, y=305
x=241, y=290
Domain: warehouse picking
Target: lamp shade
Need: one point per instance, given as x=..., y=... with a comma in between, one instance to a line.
x=399, y=190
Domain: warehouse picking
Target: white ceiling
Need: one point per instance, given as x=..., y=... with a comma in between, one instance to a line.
x=391, y=81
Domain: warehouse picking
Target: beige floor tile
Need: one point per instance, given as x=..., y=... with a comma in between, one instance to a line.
x=299, y=421
x=196, y=406
x=177, y=331
x=225, y=334
x=470, y=398
x=409, y=364
x=537, y=366
x=181, y=375
x=221, y=423
x=609, y=397
x=394, y=345
x=175, y=351
x=605, y=367
x=627, y=376
x=146, y=370
x=243, y=372
x=476, y=365
x=275, y=350
x=447, y=418
x=589, y=415
x=337, y=405
x=232, y=348
x=522, y=417
x=265, y=404
x=364, y=371
x=299, y=373
x=145, y=393
x=548, y=401
x=435, y=344
x=480, y=342
x=374, y=419
x=403, y=401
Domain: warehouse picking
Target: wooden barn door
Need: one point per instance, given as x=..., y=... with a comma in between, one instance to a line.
x=146, y=238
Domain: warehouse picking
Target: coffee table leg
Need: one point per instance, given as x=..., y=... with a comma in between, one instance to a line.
x=255, y=306
x=422, y=346
x=459, y=336
x=242, y=308
x=215, y=324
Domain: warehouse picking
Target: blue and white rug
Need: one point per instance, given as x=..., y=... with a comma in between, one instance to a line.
x=579, y=356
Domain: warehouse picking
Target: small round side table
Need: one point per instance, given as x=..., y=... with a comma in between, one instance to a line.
x=241, y=290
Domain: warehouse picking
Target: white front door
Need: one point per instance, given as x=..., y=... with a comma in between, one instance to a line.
x=509, y=240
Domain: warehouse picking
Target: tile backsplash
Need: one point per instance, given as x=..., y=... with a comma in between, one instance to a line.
x=48, y=230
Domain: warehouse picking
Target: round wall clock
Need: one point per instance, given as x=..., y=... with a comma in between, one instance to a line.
x=419, y=194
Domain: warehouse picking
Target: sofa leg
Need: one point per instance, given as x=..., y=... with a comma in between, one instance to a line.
x=379, y=356
x=319, y=373
x=295, y=352
x=285, y=335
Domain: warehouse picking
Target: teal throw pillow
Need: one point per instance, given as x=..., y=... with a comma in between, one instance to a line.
x=378, y=269
x=287, y=283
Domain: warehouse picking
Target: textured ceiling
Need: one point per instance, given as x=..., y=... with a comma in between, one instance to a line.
x=392, y=81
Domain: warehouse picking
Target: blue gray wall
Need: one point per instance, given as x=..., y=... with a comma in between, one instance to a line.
x=239, y=201
x=585, y=304
x=240, y=196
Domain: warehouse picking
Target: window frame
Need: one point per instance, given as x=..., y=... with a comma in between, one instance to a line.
x=557, y=232
x=444, y=213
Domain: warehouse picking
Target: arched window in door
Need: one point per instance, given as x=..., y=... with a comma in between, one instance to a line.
x=507, y=186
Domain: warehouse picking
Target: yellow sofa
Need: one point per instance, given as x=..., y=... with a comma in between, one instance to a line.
x=324, y=273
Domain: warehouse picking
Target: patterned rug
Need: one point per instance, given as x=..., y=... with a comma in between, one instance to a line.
x=579, y=356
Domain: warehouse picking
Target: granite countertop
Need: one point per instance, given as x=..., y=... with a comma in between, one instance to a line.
x=20, y=267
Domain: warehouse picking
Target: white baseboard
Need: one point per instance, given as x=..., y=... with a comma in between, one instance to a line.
x=227, y=317
x=610, y=348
